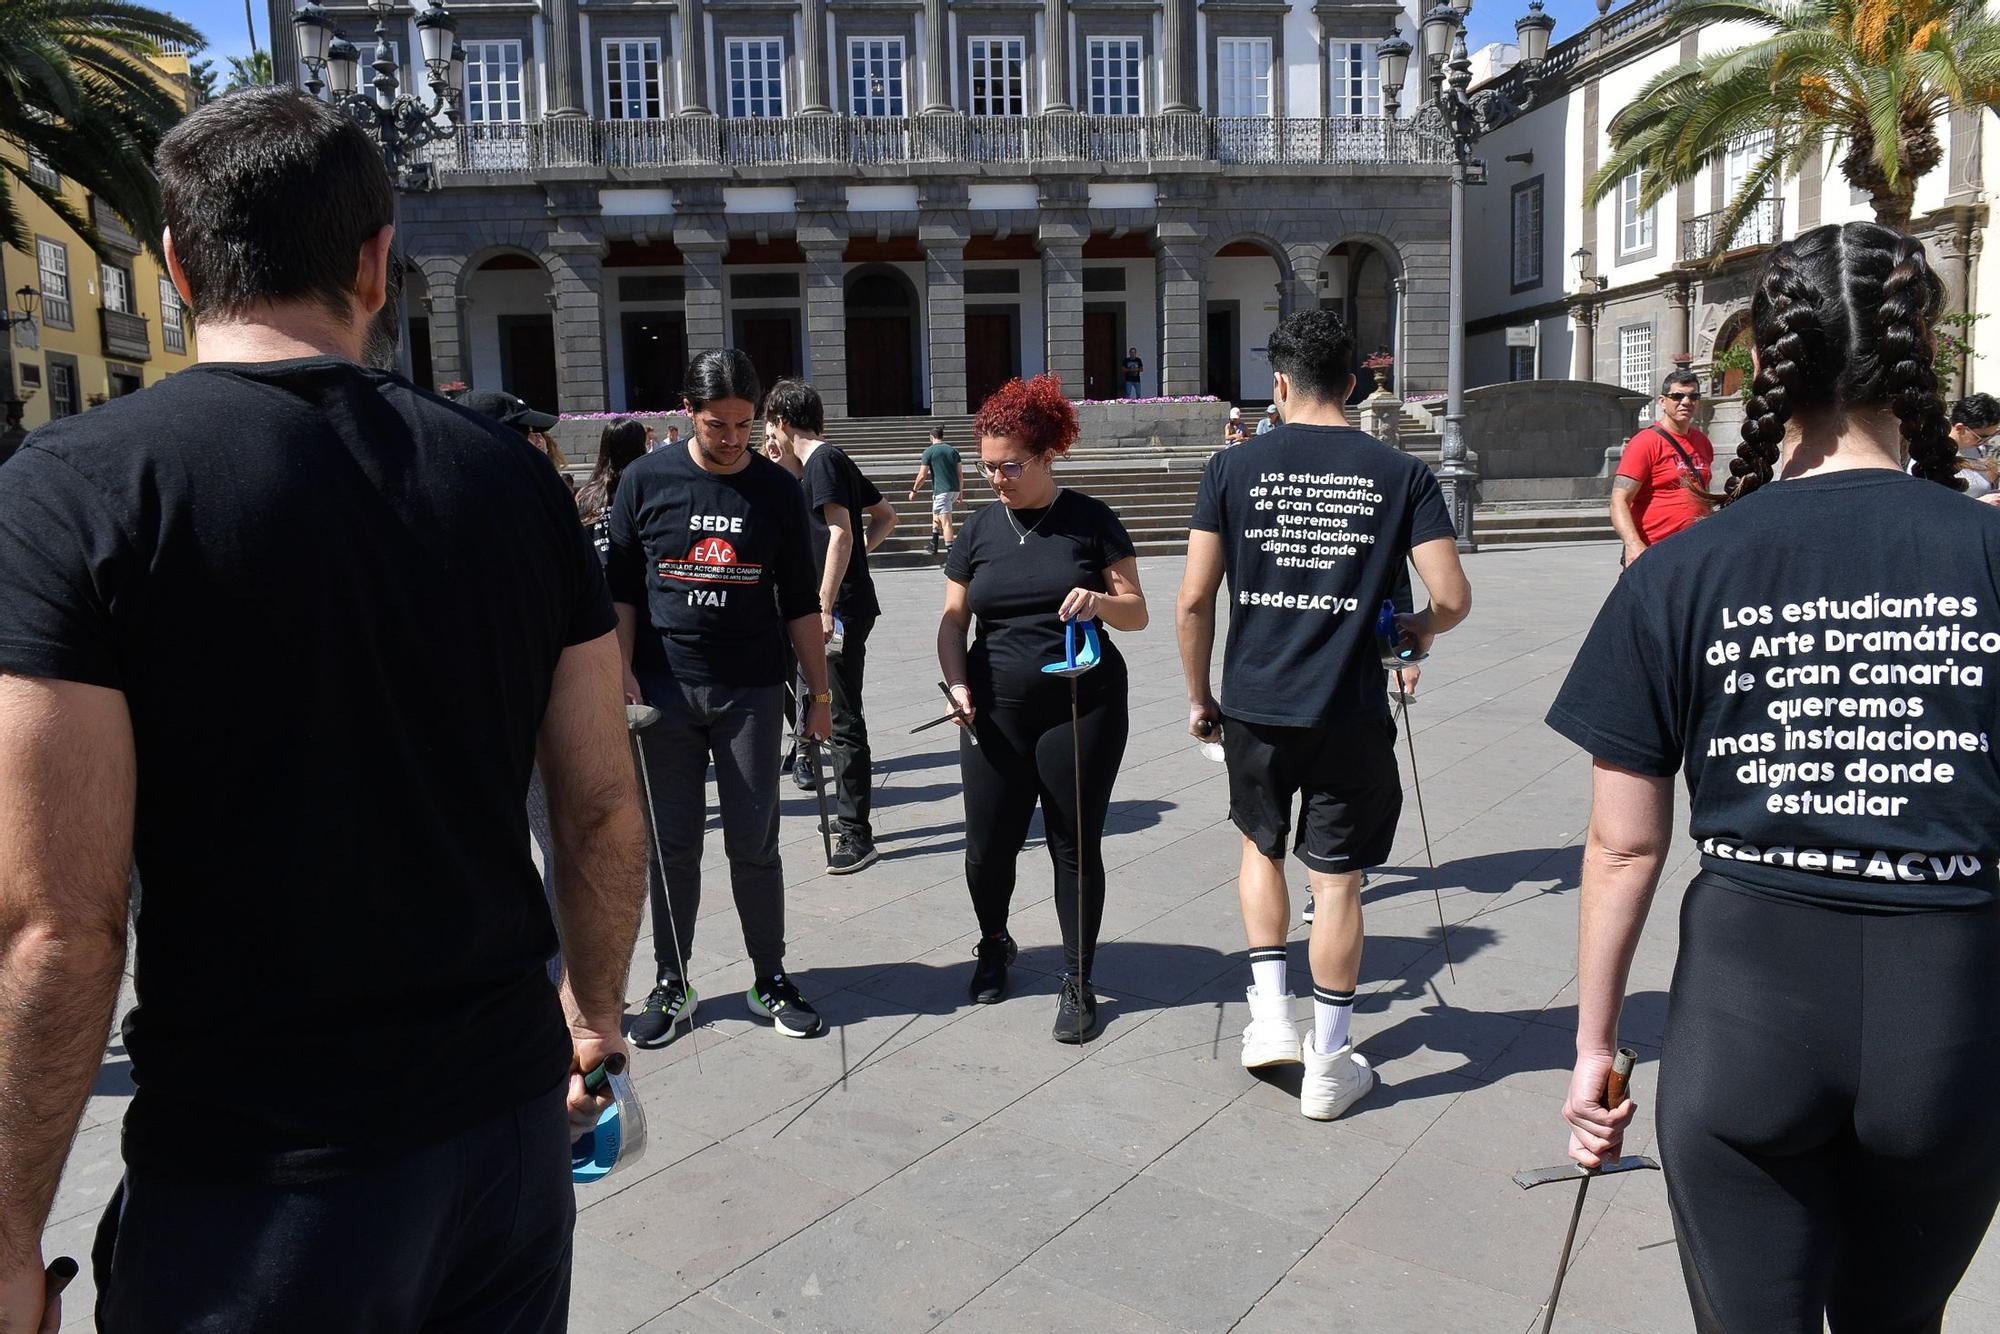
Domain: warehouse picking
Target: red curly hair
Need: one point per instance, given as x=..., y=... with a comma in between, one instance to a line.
x=1034, y=412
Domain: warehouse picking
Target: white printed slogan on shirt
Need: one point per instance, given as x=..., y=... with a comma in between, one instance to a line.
x=1310, y=521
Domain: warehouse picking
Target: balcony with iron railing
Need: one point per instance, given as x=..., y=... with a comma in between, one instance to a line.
x=125, y=335
x=865, y=141
x=1702, y=238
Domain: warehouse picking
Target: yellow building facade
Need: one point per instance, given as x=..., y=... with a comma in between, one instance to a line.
x=105, y=324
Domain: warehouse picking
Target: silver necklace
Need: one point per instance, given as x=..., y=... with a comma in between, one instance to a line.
x=1021, y=532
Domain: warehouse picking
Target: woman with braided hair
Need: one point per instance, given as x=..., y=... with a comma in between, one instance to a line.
x=1820, y=660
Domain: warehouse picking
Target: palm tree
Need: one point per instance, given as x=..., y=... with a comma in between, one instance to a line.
x=1867, y=78
x=80, y=98
x=251, y=71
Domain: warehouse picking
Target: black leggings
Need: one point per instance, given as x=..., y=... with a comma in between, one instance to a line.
x=1025, y=755
x=1826, y=1111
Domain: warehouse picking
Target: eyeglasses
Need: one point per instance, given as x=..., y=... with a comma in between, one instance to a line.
x=1010, y=471
x=1684, y=398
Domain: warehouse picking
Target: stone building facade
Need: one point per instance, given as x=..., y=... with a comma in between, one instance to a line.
x=910, y=201
x=1565, y=288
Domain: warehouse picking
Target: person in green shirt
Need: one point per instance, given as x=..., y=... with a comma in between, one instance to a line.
x=941, y=467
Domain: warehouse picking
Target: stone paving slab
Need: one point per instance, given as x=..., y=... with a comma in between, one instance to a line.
x=927, y=1164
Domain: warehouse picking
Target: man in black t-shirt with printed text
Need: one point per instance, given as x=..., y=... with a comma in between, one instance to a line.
x=1310, y=523
x=289, y=633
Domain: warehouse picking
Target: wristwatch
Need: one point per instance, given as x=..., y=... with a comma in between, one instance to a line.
x=822, y=697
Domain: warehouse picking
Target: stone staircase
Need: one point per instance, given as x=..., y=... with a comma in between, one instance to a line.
x=1153, y=489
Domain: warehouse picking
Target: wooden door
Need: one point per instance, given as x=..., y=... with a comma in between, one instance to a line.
x=992, y=354
x=655, y=360
x=1103, y=359
x=880, y=378
x=771, y=341
x=1222, y=358
x=528, y=360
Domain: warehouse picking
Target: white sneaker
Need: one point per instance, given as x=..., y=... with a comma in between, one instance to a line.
x=1271, y=1038
x=1332, y=1084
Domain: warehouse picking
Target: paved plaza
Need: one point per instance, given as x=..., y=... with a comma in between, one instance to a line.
x=927, y=1164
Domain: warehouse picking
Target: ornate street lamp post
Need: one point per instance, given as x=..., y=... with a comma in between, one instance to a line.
x=402, y=124
x=1466, y=119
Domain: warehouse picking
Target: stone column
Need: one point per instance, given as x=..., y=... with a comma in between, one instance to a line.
x=937, y=57
x=1177, y=273
x=1177, y=58
x=576, y=272
x=1680, y=300
x=701, y=301
x=1055, y=81
x=942, y=236
x=1061, y=236
x=1954, y=246
x=1584, y=364
x=565, y=88
x=694, y=62
x=824, y=239
x=812, y=58
x=442, y=275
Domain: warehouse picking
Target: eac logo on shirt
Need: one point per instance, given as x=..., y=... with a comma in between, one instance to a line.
x=712, y=551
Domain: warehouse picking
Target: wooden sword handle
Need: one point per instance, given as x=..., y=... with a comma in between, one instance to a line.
x=1620, y=1078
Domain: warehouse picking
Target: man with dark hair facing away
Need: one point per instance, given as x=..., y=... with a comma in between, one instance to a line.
x=849, y=519
x=1663, y=475
x=1303, y=711
x=289, y=633
x=942, y=467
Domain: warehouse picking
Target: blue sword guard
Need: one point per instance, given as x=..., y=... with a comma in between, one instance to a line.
x=1076, y=662
x=1394, y=655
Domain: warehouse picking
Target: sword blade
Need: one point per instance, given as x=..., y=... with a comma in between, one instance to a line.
x=1562, y=1265
x=1423, y=823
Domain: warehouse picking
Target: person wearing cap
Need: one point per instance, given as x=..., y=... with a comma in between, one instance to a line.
x=1235, y=433
x=1270, y=422
x=510, y=411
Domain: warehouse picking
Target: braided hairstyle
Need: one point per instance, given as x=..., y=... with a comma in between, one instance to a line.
x=1842, y=319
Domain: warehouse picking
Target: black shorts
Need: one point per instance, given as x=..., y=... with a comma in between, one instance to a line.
x=1343, y=771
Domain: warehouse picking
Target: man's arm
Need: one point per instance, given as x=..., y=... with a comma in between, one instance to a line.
x=881, y=523
x=598, y=842
x=839, y=552
x=628, y=638
x=1623, y=489
x=1445, y=582
x=68, y=789
x=809, y=647
x=1194, y=625
x=923, y=475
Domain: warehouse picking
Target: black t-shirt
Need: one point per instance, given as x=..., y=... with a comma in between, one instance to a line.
x=1133, y=368
x=831, y=478
x=1016, y=587
x=1819, y=657
x=717, y=562
x=1315, y=523
x=334, y=603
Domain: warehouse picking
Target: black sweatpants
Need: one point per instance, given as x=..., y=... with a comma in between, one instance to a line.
x=1825, y=1111
x=1025, y=755
x=467, y=1236
x=852, y=759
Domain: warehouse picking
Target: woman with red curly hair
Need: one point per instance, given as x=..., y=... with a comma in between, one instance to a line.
x=1041, y=558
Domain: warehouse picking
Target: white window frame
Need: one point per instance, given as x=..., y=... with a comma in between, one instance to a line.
x=52, y=270
x=1243, y=76
x=998, y=82
x=1116, y=76
x=1637, y=370
x=1355, y=71
x=867, y=59
x=173, y=328
x=758, y=61
x=115, y=288
x=1516, y=356
x=65, y=389
x=495, y=83
x=1637, y=227
x=1759, y=225
x=364, y=74
x=1527, y=267
x=629, y=60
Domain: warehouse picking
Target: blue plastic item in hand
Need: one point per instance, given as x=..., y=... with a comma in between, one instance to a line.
x=1390, y=638
x=1076, y=661
x=619, y=1138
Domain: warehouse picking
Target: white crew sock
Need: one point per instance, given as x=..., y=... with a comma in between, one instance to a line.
x=1332, y=1011
x=1267, y=969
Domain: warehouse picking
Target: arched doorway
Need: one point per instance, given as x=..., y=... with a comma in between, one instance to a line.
x=415, y=333
x=1244, y=282
x=1358, y=283
x=881, y=342
x=512, y=329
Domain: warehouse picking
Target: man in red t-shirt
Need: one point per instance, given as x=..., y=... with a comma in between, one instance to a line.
x=1650, y=499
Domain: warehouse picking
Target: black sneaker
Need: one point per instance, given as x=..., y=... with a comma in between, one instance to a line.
x=1076, y=1012
x=665, y=1009
x=791, y=1015
x=989, y=975
x=852, y=853
x=802, y=771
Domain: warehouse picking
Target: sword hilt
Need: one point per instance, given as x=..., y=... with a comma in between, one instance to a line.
x=1618, y=1083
